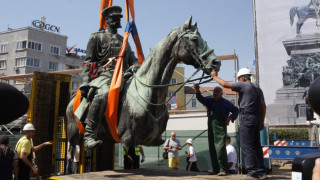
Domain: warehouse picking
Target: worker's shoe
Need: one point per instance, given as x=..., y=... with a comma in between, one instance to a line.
x=212, y=172
x=92, y=143
x=222, y=174
x=263, y=176
x=249, y=178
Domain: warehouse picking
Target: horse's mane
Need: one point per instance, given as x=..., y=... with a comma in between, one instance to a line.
x=155, y=52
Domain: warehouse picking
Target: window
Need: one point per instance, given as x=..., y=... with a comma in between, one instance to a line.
x=170, y=93
x=3, y=64
x=173, y=81
x=20, y=62
x=3, y=48
x=21, y=45
x=193, y=102
x=53, y=66
x=30, y=62
x=24, y=82
x=302, y=110
x=72, y=67
x=34, y=45
x=19, y=82
x=4, y=81
x=54, y=50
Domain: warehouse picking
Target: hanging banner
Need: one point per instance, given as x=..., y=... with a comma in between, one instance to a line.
x=287, y=56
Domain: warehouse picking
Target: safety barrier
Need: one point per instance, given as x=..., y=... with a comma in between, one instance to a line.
x=299, y=143
x=287, y=152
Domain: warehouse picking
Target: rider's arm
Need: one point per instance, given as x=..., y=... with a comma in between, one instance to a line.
x=90, y=53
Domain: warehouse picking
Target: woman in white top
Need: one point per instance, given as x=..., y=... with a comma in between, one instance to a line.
x=191, y=154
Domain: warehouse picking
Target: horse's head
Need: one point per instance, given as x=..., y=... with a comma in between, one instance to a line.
x=193, y=50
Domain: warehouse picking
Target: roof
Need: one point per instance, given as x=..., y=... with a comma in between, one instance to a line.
x=190, y=90
x=32, y=29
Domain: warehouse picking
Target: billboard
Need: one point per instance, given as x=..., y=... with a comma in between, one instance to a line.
x=287, y=42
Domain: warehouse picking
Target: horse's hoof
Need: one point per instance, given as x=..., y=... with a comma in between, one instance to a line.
x=91, y=143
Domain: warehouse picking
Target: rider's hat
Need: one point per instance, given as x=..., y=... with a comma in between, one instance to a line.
x=112, y=11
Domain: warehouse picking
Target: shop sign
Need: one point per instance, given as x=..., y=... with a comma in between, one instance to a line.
x=48, y=27
x=80, y=50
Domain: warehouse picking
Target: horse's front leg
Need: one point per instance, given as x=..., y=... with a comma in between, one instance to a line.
x=299, y=29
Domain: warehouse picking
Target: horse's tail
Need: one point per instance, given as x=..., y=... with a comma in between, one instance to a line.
x=293, y=12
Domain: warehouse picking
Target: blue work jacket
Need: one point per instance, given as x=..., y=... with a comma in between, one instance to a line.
x=225, y=106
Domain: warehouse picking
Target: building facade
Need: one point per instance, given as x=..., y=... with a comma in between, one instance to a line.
x=177, y=101
x=26, y=50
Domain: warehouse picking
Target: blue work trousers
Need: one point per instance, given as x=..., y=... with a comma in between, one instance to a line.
x=251, y=147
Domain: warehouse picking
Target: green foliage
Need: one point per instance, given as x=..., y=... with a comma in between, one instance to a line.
x=288, y=134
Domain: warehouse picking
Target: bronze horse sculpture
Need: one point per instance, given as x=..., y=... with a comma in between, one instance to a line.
x=303, y=13
x=140, y=121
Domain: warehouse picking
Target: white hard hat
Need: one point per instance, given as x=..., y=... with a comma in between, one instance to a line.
x=28, y=127
x=243, y=71
x=189, y=141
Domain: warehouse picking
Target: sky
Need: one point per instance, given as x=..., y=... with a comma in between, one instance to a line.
x=226, y=25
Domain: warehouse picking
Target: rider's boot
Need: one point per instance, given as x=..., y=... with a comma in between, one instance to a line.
x=92, y=143
x=92, y=120
x=90, y=138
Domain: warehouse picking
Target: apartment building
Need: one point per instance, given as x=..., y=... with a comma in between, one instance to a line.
x=177, y=101
x=29, y=49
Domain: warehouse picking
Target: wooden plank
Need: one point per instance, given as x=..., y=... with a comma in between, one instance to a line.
x=30, y=75
x=227, y=57
x=135, y=174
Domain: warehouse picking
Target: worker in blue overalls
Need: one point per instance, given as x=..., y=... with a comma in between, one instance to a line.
x=252, y=114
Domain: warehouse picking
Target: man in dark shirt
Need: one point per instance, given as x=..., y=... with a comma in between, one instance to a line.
x=252, y=114
x=219, y=116
x=8, y=160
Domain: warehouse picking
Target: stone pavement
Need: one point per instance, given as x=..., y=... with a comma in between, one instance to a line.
x=277, y=173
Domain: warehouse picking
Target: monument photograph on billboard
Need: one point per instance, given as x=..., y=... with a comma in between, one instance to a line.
x=287, y=38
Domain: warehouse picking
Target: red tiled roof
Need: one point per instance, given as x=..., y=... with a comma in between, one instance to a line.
x=190, y=90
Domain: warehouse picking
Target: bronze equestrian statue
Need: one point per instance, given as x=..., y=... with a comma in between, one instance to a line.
x=142, y=115
x=97, y=75
x=304, y=13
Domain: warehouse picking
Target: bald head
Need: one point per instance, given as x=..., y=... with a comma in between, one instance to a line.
x=217, y=93
x=173, y=135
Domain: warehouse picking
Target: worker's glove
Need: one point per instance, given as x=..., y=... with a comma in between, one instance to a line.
x=84, y=91
x=142, y=159
x=48, y=143
x=34, y=169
